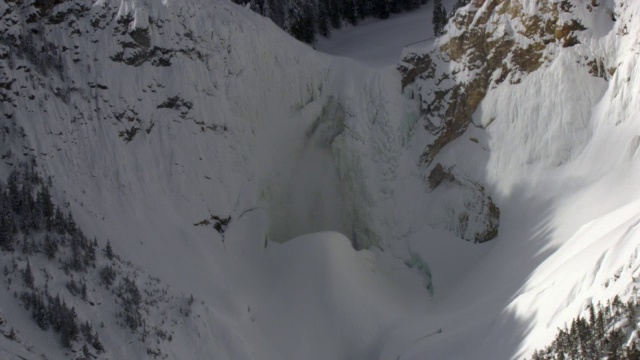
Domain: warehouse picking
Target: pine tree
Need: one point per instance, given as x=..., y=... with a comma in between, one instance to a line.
x=131, y=301
x=96, y=343
x=458, y=5
x=275, y=10
x=334, y=8
x=45, y=207
x=350, y=12
x=69, y=329
x=14, y=194
x=108, y=251
x=631, y=313
x=599, y=327
x=70, y=224
x=439, y=18
x=363, y=8
x=574, y=340
x=300, y=20
x=7, y=224
x=83, y=290
x=257, y=6
x=27, y=276
x=107, y=275
x=409, y=5
x=50, y=247
x=40, y=312
x=303, y=19
x=632, y=352
x=59, y=222
x=381, y=8
x=85, y=352
x=615, y=341
x=323, y=19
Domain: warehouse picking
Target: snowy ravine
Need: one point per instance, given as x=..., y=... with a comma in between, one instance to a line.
x=211, y=149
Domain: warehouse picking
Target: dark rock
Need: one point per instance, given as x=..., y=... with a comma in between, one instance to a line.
x=438, y=175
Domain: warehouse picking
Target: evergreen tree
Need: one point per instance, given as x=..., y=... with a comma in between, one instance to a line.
x=439, y=18
x=7, y=224
x=304, y=18
x=28, y=245
x=334, y=9
x=275, y=10
x=131, y=301
x=323, y=19
x=50, y=247
x=70, y=224
x=83, y=290
x=108, y=251
x=300, y=20
x=632, y=352
x=59, y=223
x=458, y=5
x=107, y=275
x=409, y=5
x=257, y=6
x=631, y=313
x=27, y=276
x=45, y=207
x=599, y=327
x=603, y=336
x=615, y=341
x=350, y=12
x=381, y=8
x=85, y=352
x=96, y=343
x=14, y=194
x=69, y=329
x=363, y=8
x=33, y=301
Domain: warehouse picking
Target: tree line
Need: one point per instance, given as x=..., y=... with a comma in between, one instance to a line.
x=26, y=209
x=605, y=334
x=31, y=224
x=305, y=19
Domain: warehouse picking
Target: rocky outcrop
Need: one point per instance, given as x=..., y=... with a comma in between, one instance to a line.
x=49, y=42
x=439, y=174
x=488, y=42
x=467, y=210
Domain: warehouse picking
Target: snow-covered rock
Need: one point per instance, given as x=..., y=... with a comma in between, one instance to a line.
x=196, y=137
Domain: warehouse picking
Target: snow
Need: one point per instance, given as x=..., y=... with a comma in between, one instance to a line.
x=561, y=159
x=145, y=195
x=379, y=43
x=321, y=151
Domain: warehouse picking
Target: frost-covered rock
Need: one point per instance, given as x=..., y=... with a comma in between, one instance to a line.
x=487, y=43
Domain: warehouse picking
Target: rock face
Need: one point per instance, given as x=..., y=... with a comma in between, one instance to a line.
x=212, y=89
x=468, y=211
x=28, y=47
x=488, y=42
x=184, y=111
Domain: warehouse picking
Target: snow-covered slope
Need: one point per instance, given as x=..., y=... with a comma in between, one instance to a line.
x=197, y=138
x=556, y=145
x=379, y=43
x=158, y=120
